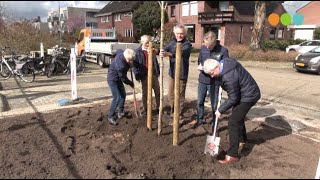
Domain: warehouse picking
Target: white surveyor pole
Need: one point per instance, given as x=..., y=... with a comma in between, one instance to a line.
x=41, y=50
x=76, y=49
x=318, y=170
x=73, y=74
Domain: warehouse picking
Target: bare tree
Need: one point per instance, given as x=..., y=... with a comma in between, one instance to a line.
x=75, y=23
x=259, y=21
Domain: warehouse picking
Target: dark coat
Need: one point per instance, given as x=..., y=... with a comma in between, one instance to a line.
x=218, y=52
x=139, y=69
x=185, y=55
x=118, y=70
x=238, y=83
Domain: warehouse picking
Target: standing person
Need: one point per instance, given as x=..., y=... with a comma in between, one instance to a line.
x=243, y=93
x=140, y=68
x=170, y=51
x=210, y=49
x=117, y=75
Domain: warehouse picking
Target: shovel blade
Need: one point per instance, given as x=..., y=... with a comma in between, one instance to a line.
x=212, y=145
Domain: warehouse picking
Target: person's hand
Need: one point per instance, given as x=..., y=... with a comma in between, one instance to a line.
x=218, y=114
x=138, y=77
x=162, y=53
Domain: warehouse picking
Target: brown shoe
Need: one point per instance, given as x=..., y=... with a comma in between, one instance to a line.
x=228, y=159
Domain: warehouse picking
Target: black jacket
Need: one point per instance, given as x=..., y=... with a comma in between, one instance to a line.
x=185, y=55
x=238, y=83
x=218, y=52
x=118, y=70
x=139, y=69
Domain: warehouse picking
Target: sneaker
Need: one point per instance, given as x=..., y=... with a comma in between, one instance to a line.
x=112, y=121
x=228, y=159
x=120, y=114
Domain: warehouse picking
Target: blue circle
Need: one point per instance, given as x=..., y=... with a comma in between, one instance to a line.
x=298, y=19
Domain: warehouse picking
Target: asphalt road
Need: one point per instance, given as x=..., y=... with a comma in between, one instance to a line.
x=293, y=95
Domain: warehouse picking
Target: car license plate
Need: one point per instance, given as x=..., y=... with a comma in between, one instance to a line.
x=299, y=64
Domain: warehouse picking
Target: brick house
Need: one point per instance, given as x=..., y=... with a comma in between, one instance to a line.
x=232, y=21
x=118, y=15
x=310, y=23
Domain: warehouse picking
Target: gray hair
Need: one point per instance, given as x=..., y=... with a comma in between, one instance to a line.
x=144, y=37
x=129, y=54
x=209, y=38
x=209, y=65
x=179, y=26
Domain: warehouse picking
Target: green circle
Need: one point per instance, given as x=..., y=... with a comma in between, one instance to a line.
x=285, y=19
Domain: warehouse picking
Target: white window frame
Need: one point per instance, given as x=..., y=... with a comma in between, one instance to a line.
x=128, y=33
x=106, y=18
x=185, y=9
x=117, y=17
x=280, y=32
x=103, y=19
x=193, y=8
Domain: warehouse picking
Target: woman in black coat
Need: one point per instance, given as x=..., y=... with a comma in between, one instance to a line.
x=243, y=93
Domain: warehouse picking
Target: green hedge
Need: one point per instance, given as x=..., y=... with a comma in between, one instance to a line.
x=280, y=44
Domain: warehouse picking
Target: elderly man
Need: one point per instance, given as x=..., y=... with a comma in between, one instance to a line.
x=170, y=51
x=117, y=75
x=243, y=93
x=140, y=68
x=210, y=49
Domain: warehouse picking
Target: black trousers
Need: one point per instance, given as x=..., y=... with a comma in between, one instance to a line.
x=236, y=127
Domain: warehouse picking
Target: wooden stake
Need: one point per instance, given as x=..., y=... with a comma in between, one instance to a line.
x=149, y=101
x=177, y=95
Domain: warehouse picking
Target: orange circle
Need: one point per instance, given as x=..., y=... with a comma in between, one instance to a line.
x=273, y=19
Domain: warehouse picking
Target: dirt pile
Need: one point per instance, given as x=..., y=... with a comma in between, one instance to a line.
x=79, y=143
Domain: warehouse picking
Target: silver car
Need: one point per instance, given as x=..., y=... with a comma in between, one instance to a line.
x=309, y=61
x=304, y=46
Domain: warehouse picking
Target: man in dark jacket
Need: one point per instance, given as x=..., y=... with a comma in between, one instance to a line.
x=170, y=51
x=117, y=75
x=210, y=49
x=243, y=93
x=140, y=69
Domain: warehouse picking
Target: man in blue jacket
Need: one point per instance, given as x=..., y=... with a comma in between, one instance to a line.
x=243, y=93
x=117, y=75
x=140, y=69
x=170, y=51
x=210, y=49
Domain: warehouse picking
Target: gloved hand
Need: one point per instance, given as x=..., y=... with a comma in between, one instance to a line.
x=138, y=77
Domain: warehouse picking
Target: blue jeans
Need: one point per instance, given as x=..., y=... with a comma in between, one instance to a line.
x=202, y=93
x=119, y=96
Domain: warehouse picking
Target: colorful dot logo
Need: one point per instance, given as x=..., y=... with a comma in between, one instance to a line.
x=285, y=19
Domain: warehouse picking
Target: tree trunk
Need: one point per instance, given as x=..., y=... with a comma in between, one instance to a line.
x=259, y=21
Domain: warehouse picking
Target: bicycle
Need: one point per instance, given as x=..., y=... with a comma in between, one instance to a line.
x=21, y=68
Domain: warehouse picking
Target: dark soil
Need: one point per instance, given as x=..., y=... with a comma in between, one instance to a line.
x=80, y=143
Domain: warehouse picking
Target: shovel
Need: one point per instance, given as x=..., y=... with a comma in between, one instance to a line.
x=213, y=142
x=134, y=97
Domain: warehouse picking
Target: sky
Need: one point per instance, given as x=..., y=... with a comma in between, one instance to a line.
x=32, y=9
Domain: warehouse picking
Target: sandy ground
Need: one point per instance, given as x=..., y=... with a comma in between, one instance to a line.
x=79, y=143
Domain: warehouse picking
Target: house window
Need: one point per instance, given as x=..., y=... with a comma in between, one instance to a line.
x=241, y=34
x=273, y=33
x=128, y=33
x=103, y=19
x=173, y=8
x=185, y=9
x=280, y=33
x=223, y=5
x=191, y=30
x=193, y=8
x=118, y=17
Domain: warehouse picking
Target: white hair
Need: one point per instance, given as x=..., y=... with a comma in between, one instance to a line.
x=209, y=65
x=145, y=38
x=129, y=54
x=179, y=26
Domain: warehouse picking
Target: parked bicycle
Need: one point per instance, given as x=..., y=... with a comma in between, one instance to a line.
x=13, y=66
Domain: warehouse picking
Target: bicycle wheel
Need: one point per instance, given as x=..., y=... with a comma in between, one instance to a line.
x=5, y=71
x=27, y=73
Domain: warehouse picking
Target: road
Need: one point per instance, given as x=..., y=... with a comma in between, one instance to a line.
x=285, y=92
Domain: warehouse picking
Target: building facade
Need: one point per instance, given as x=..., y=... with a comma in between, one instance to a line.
x=232, y=21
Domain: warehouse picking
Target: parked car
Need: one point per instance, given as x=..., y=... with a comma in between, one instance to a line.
x=304, y=46
x=309, y=61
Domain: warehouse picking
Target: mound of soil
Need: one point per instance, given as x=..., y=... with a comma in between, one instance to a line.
x=80, y=143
